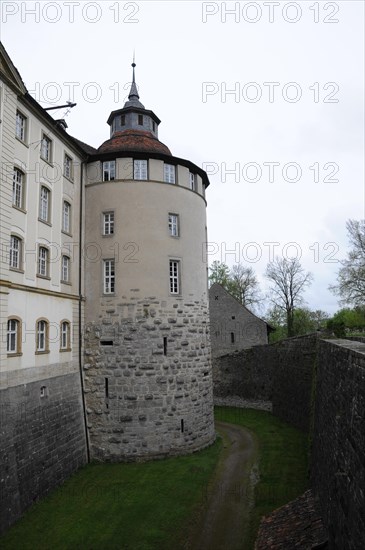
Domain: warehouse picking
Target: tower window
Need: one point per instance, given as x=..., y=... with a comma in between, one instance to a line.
x=232, y=338
x=153, y=126
x=140, y=120
x=174, y=225
x=174, y=277
x=165, y=345
x=140, y=169
x=109, y=276
x=122, y=120
x=192, y=181
x=108, y=223
x=169, y=173
x=109, y=170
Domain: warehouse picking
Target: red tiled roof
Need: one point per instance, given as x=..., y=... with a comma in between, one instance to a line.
x=134, y=141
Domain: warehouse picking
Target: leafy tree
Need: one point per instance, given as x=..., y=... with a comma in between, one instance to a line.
x=351, y=276
x=240, y=281
x=347, y=320
x=244, y=286
x=219, y=273
x=289, y=281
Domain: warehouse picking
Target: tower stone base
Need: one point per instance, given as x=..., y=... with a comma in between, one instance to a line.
x=148, y=380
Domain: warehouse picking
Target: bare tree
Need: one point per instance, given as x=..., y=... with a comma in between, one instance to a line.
x=289, y=281
x=244, y=286
x=351, y=276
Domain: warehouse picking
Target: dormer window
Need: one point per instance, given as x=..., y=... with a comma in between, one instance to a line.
x=122, y=120
x=140, y=120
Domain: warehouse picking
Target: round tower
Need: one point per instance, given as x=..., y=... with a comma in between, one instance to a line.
x=148, y=380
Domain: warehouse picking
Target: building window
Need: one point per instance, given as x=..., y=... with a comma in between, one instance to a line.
x=13, y=336
x=43, y=261
x=140, y=169
x=15, y=252
x=108, y=223
x=232, y=337
x=44, y=204
x=65, y=269
x=174, y=277
x=20, y=126
x=46, y=148
x=174, y=225
x=42, y=336
x=122, y=120
x=65, y=344
x=18, y=188
x=109, y=276
x=192, y=181
x=66, y=217
x=68, y=167
x=153, y=126
x=169, y=173
x=43, y=391
x=140, y=120
x=109, y=170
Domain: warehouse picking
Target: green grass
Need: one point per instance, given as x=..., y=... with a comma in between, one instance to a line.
x=118, y=506
x=154, y=504
x=283, y=461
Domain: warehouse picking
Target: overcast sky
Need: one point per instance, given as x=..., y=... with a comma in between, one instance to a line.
x=268, y=97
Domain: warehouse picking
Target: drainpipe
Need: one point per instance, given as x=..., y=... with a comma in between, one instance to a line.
x=80, y=307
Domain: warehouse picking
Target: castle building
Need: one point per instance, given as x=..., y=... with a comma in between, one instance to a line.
x=104, y=348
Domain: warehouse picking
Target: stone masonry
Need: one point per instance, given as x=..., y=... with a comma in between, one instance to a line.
x=148, y=380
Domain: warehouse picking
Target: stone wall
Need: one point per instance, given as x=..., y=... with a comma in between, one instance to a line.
x=43, y=441
x=338, y=448
x=281, y=372
x=246, y=374
x=148, y=380
x=293, y=368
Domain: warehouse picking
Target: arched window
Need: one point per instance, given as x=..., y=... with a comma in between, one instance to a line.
x=43, y=261
x=65, y=269
x=13, y=336
x=42, y=336
x=18, y=188
x=66, y=217
x=65, y=329
x=15, y=252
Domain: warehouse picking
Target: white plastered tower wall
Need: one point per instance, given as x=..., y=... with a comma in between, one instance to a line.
x=148, y=363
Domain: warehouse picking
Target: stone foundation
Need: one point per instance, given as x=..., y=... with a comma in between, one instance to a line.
x=148, y=380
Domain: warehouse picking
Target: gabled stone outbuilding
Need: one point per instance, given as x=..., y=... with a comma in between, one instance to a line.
x=232, y=326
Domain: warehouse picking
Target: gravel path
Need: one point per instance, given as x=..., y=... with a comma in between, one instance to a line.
x=231, y=495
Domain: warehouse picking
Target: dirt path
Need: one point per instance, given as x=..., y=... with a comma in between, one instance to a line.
x=230, y=496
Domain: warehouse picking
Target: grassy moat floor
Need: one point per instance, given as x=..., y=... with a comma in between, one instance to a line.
x=158, y=504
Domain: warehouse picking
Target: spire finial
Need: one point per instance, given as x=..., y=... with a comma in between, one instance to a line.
x=133, y=91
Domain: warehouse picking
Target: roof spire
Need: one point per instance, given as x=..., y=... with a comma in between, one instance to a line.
x=133, y=91
x=133, y=98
